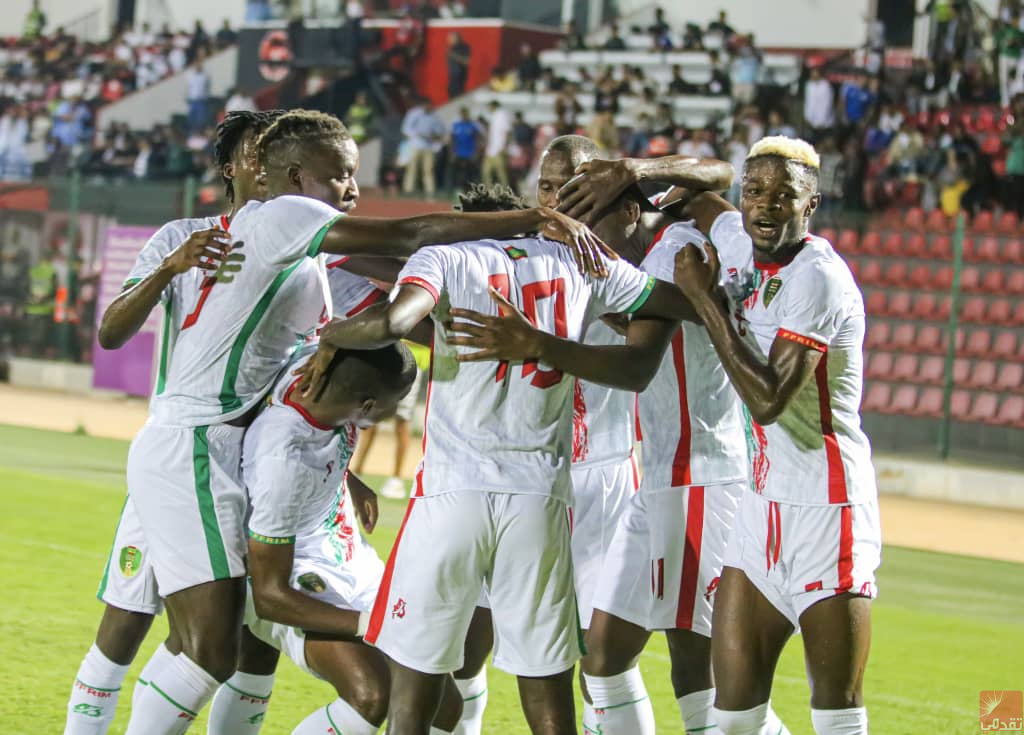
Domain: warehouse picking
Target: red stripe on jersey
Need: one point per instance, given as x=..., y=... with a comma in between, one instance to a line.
x=424, y=284
x=636, y=471
x=778, y=532
x=845, y=565
x=691, y=558
x=636, y=416
x=802, y=340
x=380, y=605
x=681, y=463
x=430, y=387
x=656, y=239
x=580, y=434
x=287, y=400
x=339, y=262
x=833, y=457
x=372, y=298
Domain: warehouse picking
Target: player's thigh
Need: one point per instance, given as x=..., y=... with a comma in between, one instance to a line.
x=432, y=581
x=837, y=639
x=358, y=672
x=533, y=601
x=479, y=642
x=186, y=486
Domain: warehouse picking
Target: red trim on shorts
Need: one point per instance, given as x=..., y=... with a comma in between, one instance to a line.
x=845, y=564
x=422, y=283
x=636, y=471
x=636, y=417
x=657, y=238
x=691, y=558
x=372, y=298
x=339, y=262
x=802, y=340
x=681, y=462
x=833, y=457
x=380, y=605
x=773, y=539
x=287, y=400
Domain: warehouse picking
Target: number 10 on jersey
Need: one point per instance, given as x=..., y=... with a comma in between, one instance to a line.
x=551, y=292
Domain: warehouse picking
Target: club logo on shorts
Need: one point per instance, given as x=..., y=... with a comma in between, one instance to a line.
x=311, y=582
x=398, y=611
x=130, y=560
x=1002, y=711
x=771, y=289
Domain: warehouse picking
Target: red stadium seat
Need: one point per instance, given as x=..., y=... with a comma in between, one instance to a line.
x=970, y=279
x=925, y=306
x=896, y=274
x=987, y=250
x=916, y=245
x=871, y=244
x=854, y=266
x=893, y=244
x=1013, y=252
x=978, y=344
x=969, y=249
x=1019, y=356
x=930, y=403
x=961, y=372
x=983, y=374
x=1011, y=412
x=877, y=303
x=940, y=248
x=1011, y=378
x=983, y=222
x=871, y=273
x=999, y=167
x=991, y=144
x=849, y=242
x=937, y=221
x=903, y=401
x=899, y=305
x=942, y=279
x=904, y=368
x=993, y=282
x=932, y=370
x=1015, y=282
x=877, y=397
x=1008, y=223
x=879, y=366
x=920, y=277
x=1005, y=346
x=999, y=312
x=986, y=122
x=929, y=339
x=1018, y=315
x=945, y=307
x=828, y=233
x=973, y=311
x=984, y=408
x=961, y=405
x=879, y=335
x=914, y=218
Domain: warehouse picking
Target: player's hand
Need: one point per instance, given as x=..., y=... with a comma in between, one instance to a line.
x=204, y=249
x=313, y=372
x=595, y=187
x=697, y=276
x=365, y=501
x=587, y=248
x=508, y=336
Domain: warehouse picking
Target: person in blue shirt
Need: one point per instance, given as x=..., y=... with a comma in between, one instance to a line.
x=857, y=100
x=466, y=137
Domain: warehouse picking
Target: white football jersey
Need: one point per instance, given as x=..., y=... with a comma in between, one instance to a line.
x=508, y=427
x=350, y=294
x=163, y=242
x=604, y=419
x=238, y=328
x=690, y=415
x=294, y=471
x=816, y=452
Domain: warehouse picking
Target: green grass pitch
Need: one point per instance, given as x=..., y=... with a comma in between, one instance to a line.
x=945, y=627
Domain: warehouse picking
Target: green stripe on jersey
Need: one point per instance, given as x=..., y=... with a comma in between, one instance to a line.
x=207, y=511
x=165, y=341
x=318, y=238
x=273, y=540
x=110, y=558
x=229, y=400
x=130, y=282
x=642, y=298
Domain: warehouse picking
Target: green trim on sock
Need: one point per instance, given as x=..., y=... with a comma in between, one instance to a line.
x=97, y=689
x=624, y=704
x=327, y=711
x=163, y=694
x=596, y=732
x=475, y=696
x=702, y=729
x=248, y=694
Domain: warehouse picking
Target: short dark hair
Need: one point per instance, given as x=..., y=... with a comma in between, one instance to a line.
x=578, y=148
x=363, y=374
x=231, y=131
x=494, y=198
x=299, y=127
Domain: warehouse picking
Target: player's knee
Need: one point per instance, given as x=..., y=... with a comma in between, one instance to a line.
x=837, y=694
x=218, y=658
x=369, y=697
x=602, y=661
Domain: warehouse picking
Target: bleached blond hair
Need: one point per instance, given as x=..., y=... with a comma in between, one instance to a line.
x=791, y=149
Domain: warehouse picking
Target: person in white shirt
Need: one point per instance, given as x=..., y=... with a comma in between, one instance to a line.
x=424, y=133
x=238, y=101
x=806, y=539
x=197, y=96
x=499, y=130
x=819, y=102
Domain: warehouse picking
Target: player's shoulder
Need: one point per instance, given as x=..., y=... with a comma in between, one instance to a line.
x=670, y=240
x=822, y=272
x=287, y=205
x=174, y=233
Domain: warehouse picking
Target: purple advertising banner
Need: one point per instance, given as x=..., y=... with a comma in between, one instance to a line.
x=129, y=369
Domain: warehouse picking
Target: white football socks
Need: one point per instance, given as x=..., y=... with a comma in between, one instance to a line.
x=474, y=702
x=695, y=709
x=175, y=695
x=853, y=721
x=621, y=704
x=240, y=705
x=94, y=694
x=160, y=658
x=760, y=720
x=590, y=723
x=337, y=717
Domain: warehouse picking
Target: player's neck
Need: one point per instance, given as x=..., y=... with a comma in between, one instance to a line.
x=782, y=255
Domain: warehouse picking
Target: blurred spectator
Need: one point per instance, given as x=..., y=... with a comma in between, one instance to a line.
x=660, y=26
x=452, y=9
x=35, y=22
x=39, y=307
x=906, y=149
x=693, y=38
x=720, y=84
x=698, y=144
x=425, y=135
x=466, y=137
x=1010, y=41
x=857, y=101
x=639, y=142
x=819, y=103
x=777, y=125
x=678, y=85
x=198, y=96
x=573, y=40
x=199, y=44
x=736, y=153
x=226, y=36
x=458, y=64
x=238, y=101
x=14, y=134
x=529, y=67
x=664, y=122
x=875, y=46
x=746, y=70
x=426, y=10
x=953, y=184
x=521, y=149
x=722, y=28
x=942, y=13
x=499, y=132
x=606, y=98
x=1013, y=139
x=359, y=118
x=567, y=109
x=504, y=80
x=830, y=180
x=603, y=131
x=615, y=42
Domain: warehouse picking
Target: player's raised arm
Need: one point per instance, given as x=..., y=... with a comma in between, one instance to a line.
x=705, y=208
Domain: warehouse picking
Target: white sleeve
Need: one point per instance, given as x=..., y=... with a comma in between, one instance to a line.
x=624, y=290
x=731, y=240
x=276, y=507
x=427, y=268
x=294, y=227
x=811, y=309
x=158, y=247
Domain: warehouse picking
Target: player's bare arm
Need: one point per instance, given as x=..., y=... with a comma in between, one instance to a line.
x=270, y=567
x=377, y=270
x=364, y=499
x=705, y=208
x=631, y=366
x=604, y=181
x=403, y=237
x=204, y=249
x=766, y=389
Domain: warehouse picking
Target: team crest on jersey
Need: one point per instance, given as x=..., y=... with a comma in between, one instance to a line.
x=311, y=582
x=515, y=253
x=130, y=560
x=771, y=290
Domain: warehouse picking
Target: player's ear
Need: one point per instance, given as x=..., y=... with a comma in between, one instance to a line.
x=812, y=204
x=295, y=176
x=633, y=211
x=367, y=406
x=228, y=171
